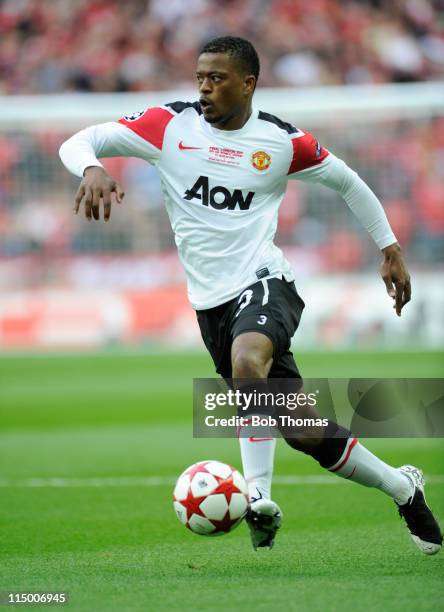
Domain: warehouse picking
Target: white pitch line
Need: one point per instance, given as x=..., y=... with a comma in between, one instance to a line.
x=157, y=481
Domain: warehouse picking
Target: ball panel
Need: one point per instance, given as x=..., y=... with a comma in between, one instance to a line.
x=239, y=482
x=226, y=524
x=238, y=505
x=201, y=525
x=197, y=467
x=181, y=512
x=202, y=484
x=218, y=469
x=215, y=506
x=182, y=486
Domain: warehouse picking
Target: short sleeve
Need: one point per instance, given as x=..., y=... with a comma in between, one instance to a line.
x=149, y=124
x=306, y=152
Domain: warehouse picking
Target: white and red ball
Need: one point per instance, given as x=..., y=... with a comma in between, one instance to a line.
x=210, y=498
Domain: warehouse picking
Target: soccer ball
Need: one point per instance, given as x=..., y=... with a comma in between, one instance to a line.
x=210, y=498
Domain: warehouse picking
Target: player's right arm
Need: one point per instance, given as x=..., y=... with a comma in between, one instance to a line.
x=96, y=186
x=80, y=154
x=139, y=135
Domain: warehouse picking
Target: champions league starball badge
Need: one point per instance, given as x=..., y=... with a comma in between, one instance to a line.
x=135, y=116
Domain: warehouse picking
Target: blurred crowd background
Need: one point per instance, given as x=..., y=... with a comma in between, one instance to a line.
x=106, y=46
x=139, y=45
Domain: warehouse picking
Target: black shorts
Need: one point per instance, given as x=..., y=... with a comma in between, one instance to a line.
x=272, y=307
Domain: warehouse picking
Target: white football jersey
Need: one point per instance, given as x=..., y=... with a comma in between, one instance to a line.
x=223, y=188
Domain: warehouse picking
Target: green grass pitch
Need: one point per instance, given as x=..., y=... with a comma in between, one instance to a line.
x=89, y=445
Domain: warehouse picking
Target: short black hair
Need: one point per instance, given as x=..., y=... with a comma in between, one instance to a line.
x=240, y=49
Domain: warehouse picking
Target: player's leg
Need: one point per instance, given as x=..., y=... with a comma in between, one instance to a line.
x=258, y=443
x=263, y=322
x=248, y=356
x=251, y=358
x=340, y=452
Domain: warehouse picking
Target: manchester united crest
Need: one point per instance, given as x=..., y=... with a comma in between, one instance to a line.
x=260, y=160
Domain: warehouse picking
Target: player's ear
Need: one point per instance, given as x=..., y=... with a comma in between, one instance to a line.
x=249, y=84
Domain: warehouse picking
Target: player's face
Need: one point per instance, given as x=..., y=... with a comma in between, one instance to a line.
x=224, y=90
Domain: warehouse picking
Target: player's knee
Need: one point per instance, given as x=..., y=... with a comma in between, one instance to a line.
x=248, y=364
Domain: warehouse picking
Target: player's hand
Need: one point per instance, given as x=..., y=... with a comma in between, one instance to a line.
x=97, y=186
x=396, y=277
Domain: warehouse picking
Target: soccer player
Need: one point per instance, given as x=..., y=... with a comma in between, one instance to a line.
x=224, y=168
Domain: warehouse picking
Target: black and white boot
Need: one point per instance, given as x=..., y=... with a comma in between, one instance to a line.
x=264, y=518
x=421, y=523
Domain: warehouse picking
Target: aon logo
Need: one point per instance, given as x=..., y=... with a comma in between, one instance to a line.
x=218, y=197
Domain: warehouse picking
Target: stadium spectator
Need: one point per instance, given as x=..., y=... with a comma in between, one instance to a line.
x=105, y=45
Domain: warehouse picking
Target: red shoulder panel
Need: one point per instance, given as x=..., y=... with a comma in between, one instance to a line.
x=307, y=152
x=150, y=125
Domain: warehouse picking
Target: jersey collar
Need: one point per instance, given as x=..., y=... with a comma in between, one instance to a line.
x=231, y=133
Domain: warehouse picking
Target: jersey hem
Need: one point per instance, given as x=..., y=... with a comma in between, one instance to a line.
x=230, y=296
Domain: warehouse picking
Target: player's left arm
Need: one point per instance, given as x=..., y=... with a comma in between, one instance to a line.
x=313, y=163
